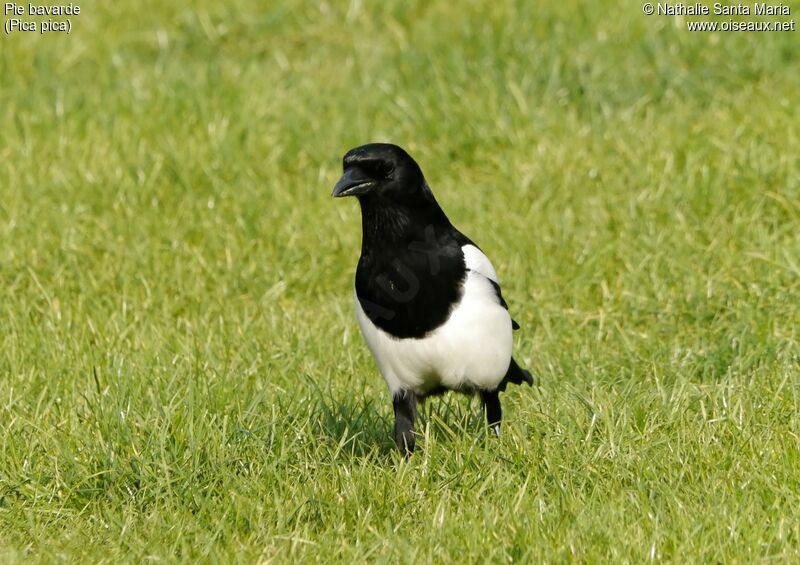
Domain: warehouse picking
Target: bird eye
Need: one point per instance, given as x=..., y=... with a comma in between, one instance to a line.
x=380, y=169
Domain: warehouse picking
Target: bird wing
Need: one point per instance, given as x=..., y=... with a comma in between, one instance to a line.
x=477, y=261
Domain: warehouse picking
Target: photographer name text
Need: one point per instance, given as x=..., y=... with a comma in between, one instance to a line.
x=720, y=9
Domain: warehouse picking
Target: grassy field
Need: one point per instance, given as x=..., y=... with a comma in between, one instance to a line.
x=181, y=374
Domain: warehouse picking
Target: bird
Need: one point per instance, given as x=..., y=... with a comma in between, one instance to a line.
x=427, y=299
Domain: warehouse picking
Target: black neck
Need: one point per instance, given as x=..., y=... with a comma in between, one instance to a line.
x=387, y=224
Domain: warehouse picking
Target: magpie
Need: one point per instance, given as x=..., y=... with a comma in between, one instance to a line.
x=427, y=299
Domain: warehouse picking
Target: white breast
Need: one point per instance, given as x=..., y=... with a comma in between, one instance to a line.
x=471, y=349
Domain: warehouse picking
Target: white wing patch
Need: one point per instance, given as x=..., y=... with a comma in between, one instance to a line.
x=478, y=262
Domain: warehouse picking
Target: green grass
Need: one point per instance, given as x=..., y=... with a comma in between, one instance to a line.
x=181, y=374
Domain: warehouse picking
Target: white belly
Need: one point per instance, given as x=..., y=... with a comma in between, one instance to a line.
x=472, y=349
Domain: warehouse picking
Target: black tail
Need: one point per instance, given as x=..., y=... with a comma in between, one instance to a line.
x=515, y=375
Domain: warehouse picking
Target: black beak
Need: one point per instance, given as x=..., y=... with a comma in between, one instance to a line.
x=353, y=182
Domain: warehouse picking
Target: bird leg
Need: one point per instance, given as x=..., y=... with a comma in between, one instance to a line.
x=405, y=411
x=491, y=403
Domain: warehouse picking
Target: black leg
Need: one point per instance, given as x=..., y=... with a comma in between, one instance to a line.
x=405, y=411
x=491, y=402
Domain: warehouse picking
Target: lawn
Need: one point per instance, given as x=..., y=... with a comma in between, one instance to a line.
x=181, y=374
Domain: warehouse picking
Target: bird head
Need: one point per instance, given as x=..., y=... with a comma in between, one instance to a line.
x=382, y=170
